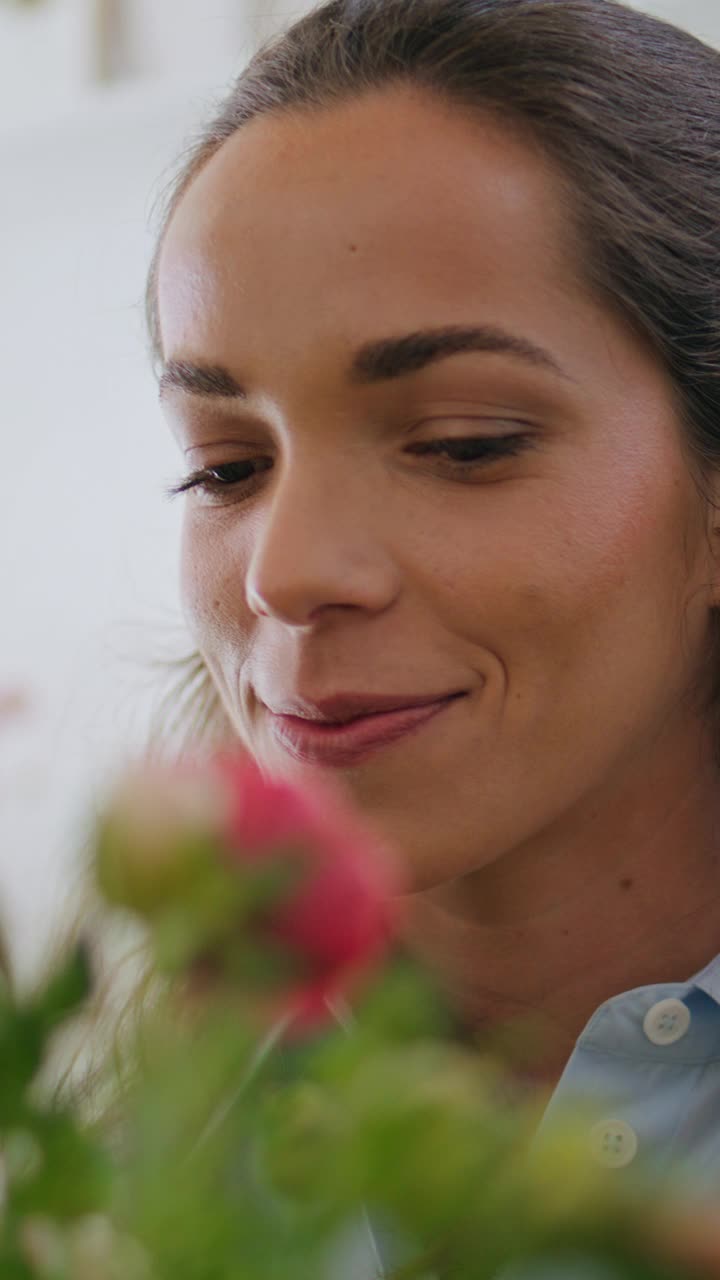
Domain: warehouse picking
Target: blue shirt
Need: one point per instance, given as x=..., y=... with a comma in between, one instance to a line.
x=649, y=1062
x=646, y=1068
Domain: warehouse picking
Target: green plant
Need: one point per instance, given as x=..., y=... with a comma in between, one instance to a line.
x=290, y=1082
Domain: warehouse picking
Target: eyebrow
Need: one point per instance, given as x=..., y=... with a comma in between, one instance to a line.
x=377, y=361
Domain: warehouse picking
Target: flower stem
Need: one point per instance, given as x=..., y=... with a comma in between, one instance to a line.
x=253, y=1068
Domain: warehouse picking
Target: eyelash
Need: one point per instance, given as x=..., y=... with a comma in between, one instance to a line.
x=208, y=479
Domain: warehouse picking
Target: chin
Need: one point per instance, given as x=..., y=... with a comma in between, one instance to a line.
x=426, y=863
x=427, y=860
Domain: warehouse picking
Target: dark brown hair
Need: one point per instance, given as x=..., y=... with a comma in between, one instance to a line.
x=627, y=106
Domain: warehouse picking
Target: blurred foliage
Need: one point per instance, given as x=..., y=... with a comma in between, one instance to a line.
x=246, y=1145
x=237, y=1158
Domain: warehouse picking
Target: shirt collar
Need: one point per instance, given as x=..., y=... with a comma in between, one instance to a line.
x=708, y=979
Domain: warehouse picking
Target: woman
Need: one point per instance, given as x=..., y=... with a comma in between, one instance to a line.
x=436, y=307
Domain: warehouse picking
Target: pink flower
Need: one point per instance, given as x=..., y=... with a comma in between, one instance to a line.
x=282, y=892
x=339, y=916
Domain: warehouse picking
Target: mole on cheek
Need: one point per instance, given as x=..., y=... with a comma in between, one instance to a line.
x=627, y=882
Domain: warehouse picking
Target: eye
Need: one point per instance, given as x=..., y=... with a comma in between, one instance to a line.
x=222, y=479
x=459, y=454
x=466, y=452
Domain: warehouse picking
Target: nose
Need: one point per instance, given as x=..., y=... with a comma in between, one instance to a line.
x=321, y=544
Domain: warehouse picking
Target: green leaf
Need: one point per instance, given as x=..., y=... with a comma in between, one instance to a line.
x=26, y=1028
x=22, y=1045
x=67, y=990
x=13, y=1267
x=75, y=1176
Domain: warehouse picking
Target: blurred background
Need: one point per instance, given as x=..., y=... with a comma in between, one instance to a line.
x=97, y=98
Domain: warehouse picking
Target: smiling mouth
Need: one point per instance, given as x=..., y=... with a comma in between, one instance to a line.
x=338, y=744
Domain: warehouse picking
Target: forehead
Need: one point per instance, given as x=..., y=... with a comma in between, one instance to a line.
x=402, y=134
x=395, y=204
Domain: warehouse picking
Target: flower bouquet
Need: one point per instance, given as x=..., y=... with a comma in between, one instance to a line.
x=292, y=1100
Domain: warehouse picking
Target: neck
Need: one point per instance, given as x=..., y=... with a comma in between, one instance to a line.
x=623, y=891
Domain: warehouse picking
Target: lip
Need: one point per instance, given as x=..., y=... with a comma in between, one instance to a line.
x=341, y=707
x=338, y=745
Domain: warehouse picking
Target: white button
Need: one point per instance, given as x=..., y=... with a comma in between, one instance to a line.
x=666, y=1022
x=613, y=1143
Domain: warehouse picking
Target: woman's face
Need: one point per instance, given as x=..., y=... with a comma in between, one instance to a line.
x=510, y=518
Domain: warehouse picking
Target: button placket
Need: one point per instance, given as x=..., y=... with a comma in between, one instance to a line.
x=613, y=1143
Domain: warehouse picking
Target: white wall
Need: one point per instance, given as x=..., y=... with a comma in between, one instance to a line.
x=702, y=17
x=52, y=48
x=88, y=547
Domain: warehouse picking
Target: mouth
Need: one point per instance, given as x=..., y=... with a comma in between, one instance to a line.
x=351, y=741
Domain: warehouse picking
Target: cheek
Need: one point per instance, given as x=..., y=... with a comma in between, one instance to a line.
x=554, y=576
x=212, y=587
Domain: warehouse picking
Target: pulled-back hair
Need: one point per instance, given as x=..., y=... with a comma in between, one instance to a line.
x=627, y=107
